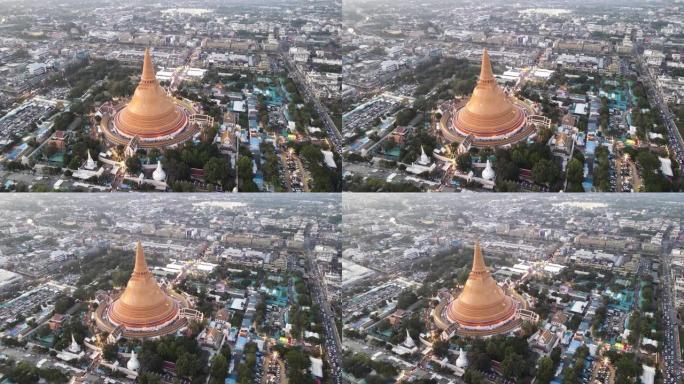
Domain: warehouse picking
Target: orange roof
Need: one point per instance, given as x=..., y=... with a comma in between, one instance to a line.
x=481, y=302
x=489, y=112
x=143, y=304
x=151, y=112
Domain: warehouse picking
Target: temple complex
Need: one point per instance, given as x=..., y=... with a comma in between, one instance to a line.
x=152, y=118
x=490, y=117
x=482, y=307
x=143, y=309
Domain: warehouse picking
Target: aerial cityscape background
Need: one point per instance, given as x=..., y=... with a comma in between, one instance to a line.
x=304, y=141
x=170, y=96
x=196, y=288
x=525, y=96
x=589, y=288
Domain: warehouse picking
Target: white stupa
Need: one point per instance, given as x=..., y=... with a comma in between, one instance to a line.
x=422, y=164
x=159, y=174
x=409, y=343
x=90, y=163
x=133, y=364
x=488, y=173
x=462, y=361
x=424, y=159
x=74, y=347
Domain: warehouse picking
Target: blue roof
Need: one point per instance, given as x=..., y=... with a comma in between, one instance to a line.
x=14, y=153
x=573, y=347
x=241, y=342
x=259, y=181
x=591, y=147
x=254, y=143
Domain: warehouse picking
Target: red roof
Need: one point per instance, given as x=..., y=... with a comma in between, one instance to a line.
x=401, y=130
x=197, y=173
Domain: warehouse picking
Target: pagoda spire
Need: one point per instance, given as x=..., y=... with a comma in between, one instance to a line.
x=478, y=260
x=148, y=68
x=140, y=263
x=486, y=74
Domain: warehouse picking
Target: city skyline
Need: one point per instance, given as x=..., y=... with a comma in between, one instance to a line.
x=242, y=287
x=342, y=192
x=577, y=262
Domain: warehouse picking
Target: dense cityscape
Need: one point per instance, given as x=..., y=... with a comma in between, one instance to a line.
x=581, y=96
x=261, y=178
x=213, y=96
x=562, y=289
x=121, y=289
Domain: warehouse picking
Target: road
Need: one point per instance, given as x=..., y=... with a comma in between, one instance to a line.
x=671, y=353
x=333, y=342
x=656, y=97
x=303, y=86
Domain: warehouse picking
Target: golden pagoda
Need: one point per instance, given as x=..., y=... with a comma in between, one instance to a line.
x=143, y=305
x=482, y=303
x=151, y=113
x=490, y=117
x=489, y=112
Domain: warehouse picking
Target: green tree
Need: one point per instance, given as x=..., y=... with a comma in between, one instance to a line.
x=513, y=366
x=216, y=171
x=405, y=116
x=575, y=172
x=545, y=370
x=463, y=162
x=154, y=154
x=472, y=376
x=245, y=174
x=441, y=348
x=148, y=378
x=545, y=172
x=187, y=365
x=219, y=369
x=406, y=299
x=23, y=373
x=63, y=303
x=134, y=165
x=110, y=352
x=74, y=163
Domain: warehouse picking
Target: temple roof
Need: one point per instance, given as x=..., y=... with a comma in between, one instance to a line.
x=489, y=111
x=151, y=111
x=478, y=260
x=148, y=73
x=143, y=303
x=486, y=73
x=140, y=262
x=481, y=302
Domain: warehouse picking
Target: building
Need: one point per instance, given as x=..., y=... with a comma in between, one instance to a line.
x=143, y=309
x=152, y=116
x=482, y=308
x=8, y=279
x=399, y=134
x=482, y=303
x=490, y=117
